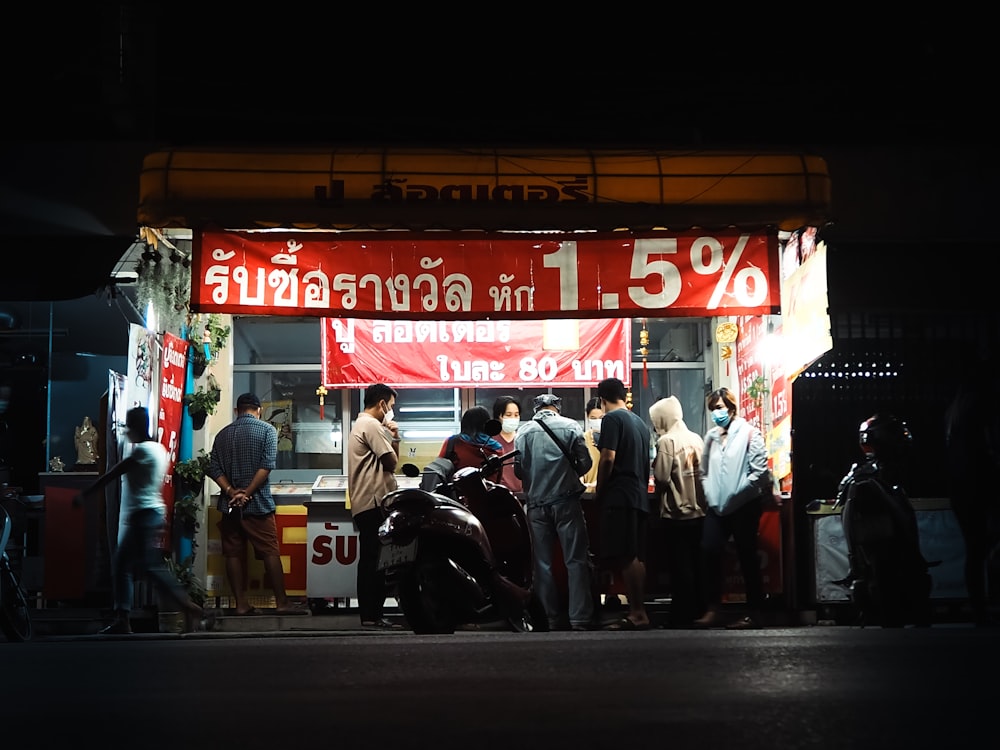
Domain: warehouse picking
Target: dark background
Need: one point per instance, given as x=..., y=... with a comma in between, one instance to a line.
x=901, y=109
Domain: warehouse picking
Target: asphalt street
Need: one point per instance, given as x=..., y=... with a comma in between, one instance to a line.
x=802, y=687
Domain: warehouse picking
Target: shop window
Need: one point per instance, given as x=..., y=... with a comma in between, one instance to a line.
x=278, y=358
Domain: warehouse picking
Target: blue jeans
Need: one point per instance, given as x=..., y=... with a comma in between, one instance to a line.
x=563, y=520
x=138, y=555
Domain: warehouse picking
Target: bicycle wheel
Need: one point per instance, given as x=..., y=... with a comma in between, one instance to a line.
x=15, y=617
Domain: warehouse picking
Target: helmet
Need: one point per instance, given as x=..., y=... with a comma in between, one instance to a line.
x=884, y=436
x=547, y=399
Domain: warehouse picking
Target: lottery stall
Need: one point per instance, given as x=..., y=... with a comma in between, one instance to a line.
x=457, y=276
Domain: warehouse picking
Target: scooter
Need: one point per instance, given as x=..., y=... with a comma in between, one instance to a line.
x=460, y=553
x=888, y=579
x=15, y=616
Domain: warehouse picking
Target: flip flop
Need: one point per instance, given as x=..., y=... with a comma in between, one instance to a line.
x=252, y=612
x=626, y=624
x=293, y=610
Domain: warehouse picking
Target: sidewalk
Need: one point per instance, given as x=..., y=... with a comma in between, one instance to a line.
x=79, y=623
x=84, y=624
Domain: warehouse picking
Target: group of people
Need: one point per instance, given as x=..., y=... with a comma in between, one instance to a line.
x=707, y=490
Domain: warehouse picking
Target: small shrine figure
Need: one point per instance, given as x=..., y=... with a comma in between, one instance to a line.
x=86, y=445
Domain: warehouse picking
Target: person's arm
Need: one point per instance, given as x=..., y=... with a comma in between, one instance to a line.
x=604, y=468
x=115, y=472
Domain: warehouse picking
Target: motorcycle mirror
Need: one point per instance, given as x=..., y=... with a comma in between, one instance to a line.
x=493, y=427
x=410, y=470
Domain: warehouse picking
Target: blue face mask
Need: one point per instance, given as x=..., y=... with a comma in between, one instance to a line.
x=721, y=416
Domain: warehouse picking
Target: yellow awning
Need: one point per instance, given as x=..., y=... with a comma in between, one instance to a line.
x=487, y=189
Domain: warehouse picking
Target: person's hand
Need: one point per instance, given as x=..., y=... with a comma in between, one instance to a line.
x=393, y=427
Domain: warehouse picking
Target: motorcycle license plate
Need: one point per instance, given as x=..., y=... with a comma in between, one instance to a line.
x=391, y=555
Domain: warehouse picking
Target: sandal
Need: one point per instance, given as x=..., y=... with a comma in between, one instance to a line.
x=627, y=624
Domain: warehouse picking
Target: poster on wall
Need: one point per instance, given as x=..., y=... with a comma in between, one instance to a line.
x=805, y=315
x=142, y=364
x=167, y=418
x=117, y=446
x=279, y=415
x=515, y=353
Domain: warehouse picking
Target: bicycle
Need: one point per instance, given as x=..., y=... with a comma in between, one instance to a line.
x=15, y=616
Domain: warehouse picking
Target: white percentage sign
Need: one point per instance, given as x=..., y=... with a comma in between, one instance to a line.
x=742, y=279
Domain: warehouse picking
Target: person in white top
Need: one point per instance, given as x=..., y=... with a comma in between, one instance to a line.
x=143, y=516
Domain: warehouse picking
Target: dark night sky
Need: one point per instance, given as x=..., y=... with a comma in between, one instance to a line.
x=277, y=74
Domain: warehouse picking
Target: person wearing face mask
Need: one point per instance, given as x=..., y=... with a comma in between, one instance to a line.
x=372, y=456
x=733, y=461
x=592, y=433
x=507, y=410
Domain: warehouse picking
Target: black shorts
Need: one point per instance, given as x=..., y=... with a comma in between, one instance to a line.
x=623, y=534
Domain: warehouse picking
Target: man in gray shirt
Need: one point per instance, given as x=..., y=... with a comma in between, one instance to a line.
x=550, y=467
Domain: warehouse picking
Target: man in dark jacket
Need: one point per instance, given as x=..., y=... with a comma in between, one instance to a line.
x=550, y=467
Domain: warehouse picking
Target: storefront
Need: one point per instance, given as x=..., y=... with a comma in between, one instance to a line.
x=460, y=276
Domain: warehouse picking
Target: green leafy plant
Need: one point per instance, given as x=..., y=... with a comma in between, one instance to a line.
x=203, y=401
x=192, y=471
x=208, y=330
x=187, y=512
x=184, y=573
x=758, y=389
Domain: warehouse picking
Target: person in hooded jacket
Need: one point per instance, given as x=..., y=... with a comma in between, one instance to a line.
x=471, y=445
x=681, y=496
x=734, y=461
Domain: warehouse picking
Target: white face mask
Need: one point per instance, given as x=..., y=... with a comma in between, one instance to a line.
x=511, y=424
x=595, y=425
x=388, y=416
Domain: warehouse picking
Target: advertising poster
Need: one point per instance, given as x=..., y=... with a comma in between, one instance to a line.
x=690, y=273
x=168, y=416
x=514, y=353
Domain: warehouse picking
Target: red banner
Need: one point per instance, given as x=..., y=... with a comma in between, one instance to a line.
x=482, y=353
x=478, y=276
x=168, y=420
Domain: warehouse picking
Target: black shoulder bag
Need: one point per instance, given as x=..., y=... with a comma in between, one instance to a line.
x=562, y=447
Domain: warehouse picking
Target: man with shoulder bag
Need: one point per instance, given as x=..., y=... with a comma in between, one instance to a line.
x=552, y=457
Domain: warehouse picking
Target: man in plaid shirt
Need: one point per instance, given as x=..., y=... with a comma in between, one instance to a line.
x=243, y=455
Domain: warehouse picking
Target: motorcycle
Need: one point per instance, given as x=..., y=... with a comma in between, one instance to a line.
x=888, y=580
x=460, y=553
x=15, y=616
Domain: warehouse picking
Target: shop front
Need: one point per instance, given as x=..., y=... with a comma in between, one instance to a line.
x=458, y=277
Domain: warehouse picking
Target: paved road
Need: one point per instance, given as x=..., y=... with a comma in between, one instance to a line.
x=812, y=687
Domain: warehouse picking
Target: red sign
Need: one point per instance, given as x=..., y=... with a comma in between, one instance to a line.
x=168, y=420
x=475, y=276
x=460, y=353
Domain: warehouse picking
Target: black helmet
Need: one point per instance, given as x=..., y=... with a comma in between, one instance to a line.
x=547, y=399
x=884, y=436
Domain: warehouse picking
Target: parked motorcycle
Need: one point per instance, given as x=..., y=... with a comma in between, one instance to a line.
x=460, y=553
x=888, y=579
x=15, y=616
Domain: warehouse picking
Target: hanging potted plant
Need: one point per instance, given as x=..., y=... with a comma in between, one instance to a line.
x=210, y=331
x=202, y=404
x=189, y=476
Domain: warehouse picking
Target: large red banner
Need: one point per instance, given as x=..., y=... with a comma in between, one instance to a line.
x=474, y=277
x=482, y=353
